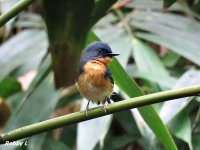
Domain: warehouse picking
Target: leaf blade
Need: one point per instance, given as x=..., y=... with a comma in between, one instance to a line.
x=124, y=81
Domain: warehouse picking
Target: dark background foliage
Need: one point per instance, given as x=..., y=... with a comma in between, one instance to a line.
x=158, y=42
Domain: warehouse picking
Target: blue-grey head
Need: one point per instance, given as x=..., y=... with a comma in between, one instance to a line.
x=94, y=51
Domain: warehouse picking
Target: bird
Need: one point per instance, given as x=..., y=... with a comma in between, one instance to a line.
x=95, y=81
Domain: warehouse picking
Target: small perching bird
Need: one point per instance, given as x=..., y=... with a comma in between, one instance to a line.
x=95, y=81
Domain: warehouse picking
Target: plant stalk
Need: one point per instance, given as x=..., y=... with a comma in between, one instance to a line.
x=19, y=6
x=77, y=117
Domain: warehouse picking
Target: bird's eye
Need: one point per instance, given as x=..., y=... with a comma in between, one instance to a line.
x=100, y=50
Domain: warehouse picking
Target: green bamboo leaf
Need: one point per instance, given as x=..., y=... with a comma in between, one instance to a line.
x=43, y=72
x=14, y=54
x=175, y=45
x=171, y=59
x=163, y=26
x=195, y=140
x=71, y=133
x=154, y=78
x=87, y=134
x=168, y=3
x=165, y=23
x=12, y=12
x=147, y=4
x=36, y=109
x=147, y=61
x=126, y=84
x=170, y=109
x=196, y=7
x=100, y=9
x=53, y=144
x=9, y=86
x=29, y=20
x=36, y=142
x=121, y=141
x=180, y=126
x=124, y=118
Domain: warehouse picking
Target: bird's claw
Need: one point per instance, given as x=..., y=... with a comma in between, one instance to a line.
x=86, y=112
x=105, y=104
x=105, y=107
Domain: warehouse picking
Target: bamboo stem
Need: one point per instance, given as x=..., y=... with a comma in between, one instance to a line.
x=77, y=117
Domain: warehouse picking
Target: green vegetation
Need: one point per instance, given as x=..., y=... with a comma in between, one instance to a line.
x=158, y=42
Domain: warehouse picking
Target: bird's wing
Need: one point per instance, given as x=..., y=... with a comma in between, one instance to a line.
x=108, y=74
x=114, y=96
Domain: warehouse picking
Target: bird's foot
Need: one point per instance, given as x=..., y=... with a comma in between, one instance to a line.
x=86, y=112
x=105, y=104
x=86, y=109
x=105, y=107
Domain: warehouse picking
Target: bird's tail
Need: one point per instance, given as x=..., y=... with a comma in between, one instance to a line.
x=116, y=97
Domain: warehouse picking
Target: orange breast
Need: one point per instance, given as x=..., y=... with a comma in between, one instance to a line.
x=95, y=71
x=92, y=84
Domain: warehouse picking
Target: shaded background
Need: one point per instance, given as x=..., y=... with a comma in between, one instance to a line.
x=158, y=42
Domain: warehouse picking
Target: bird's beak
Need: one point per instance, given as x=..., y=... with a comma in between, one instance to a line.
x=112, y=54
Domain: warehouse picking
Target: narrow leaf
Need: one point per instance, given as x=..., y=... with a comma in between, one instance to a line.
x=100, y=9
x=181, y=128
x=124, y=81
x=162, y=26
x=168, y=3
x=13, y=53
x=92, y=131
x=170, y=109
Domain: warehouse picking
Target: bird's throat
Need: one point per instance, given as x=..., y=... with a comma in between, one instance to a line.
x=105, y=60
